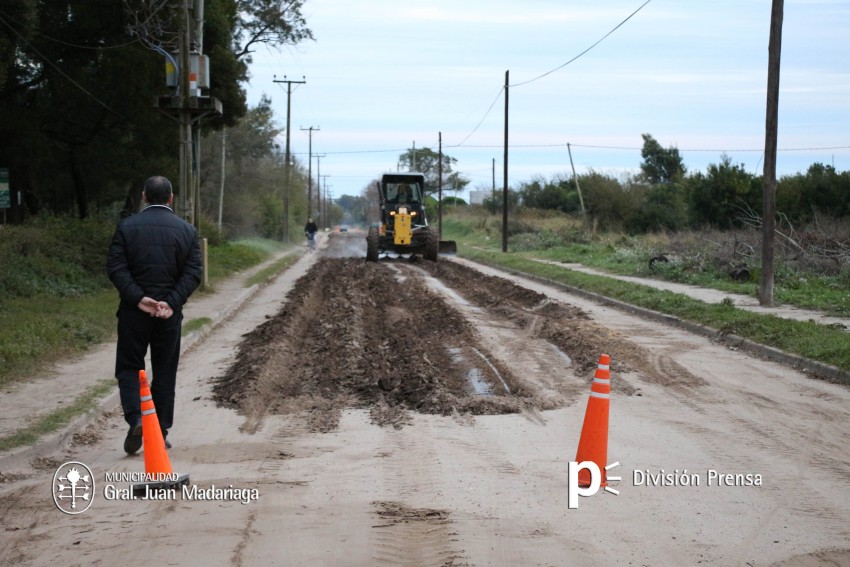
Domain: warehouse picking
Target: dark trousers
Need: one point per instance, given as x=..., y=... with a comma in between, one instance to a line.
x=136, y=331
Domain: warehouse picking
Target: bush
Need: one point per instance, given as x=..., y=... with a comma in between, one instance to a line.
x=59, y=256
x=210, y=231
x=535, y=241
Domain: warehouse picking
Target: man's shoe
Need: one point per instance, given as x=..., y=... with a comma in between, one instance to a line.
x=133, y=442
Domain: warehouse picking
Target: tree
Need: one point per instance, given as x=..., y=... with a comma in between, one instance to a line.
x=557, y=194
x=270, y=22
x=427, y=161
x=660, y=165
x=662, y=206
x=820, y=190
x=253, y=172
x=607, y=201
x=77, y=78
x=718, y=197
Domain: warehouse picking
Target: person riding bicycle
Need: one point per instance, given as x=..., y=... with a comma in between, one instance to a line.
x=310, y=230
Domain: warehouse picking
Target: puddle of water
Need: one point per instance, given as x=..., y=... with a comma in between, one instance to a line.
x=475, y=376
x=564, y=356
x=479, y=385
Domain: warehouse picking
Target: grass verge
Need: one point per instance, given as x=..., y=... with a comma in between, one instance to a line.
x=53, y=421
x=193, y=325
x=40, y=330
x=823, y=343
x=272, y=270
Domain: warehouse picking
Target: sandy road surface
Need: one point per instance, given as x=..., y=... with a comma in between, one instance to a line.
x=418, y=414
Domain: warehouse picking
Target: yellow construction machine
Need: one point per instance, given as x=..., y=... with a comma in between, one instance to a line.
x=403, y=229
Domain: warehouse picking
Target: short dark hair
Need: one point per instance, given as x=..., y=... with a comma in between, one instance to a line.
x=157, y=190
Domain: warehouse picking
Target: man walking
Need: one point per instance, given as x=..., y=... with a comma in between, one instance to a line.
x=154, y=262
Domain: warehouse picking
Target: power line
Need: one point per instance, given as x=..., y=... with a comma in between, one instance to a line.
x=592, y=146
x=487, y=113
x=585, y=51
x=480, y=122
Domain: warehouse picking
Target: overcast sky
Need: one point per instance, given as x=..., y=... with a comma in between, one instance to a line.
x=382, y=75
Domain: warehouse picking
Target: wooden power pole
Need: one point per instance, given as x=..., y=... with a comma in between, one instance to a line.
x=287, y=174
x=768, y=238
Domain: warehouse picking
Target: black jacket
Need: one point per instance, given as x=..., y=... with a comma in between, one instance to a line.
x=155, y=253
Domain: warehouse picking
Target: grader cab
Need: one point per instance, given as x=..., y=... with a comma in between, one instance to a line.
x=403, y=228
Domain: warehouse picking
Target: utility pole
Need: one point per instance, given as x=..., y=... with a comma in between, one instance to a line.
x=324, y=181
x=197, y=47
x=221, y=192
x=188, y=75
x=319, y=185
x=287, y=165
x=186, y=185
x=188, y=105
x=505, y=174
x=310, y=170
x=575, y=178
x=768, y=235
x=493, y=171
x=440, y=186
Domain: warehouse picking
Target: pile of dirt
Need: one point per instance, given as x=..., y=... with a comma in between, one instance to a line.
x=566, y=326
x=355, y=334
x=377, y=336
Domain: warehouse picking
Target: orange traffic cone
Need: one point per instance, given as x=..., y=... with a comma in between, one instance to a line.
x=593, y=444
x=158, y=472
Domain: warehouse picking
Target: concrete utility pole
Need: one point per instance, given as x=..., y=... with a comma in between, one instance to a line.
x=440, y=186
x=196, y=45
x=575, y=178
x=189, y=106
x=319, y=184
x=310, y=170
x=323, y=180
x=768, y=237
x=493, y=171
x=221, y=192
x=287, y=166
x=505, y=174
x=186, y=209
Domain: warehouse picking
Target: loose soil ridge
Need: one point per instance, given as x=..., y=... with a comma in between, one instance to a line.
x=358, y=334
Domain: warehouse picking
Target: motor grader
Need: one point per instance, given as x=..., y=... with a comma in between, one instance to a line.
x=403, y=228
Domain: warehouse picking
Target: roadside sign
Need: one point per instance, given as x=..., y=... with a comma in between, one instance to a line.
x=5, y=194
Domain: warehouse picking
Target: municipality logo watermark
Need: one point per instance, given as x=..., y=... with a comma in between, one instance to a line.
x=73, y=487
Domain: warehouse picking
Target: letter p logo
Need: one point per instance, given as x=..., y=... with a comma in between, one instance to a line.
x=573, y=489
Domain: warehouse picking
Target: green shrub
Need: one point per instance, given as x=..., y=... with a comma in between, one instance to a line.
x=58, y=256
x=534, y=241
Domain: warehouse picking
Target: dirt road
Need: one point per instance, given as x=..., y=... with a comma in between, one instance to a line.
x=411, y=413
